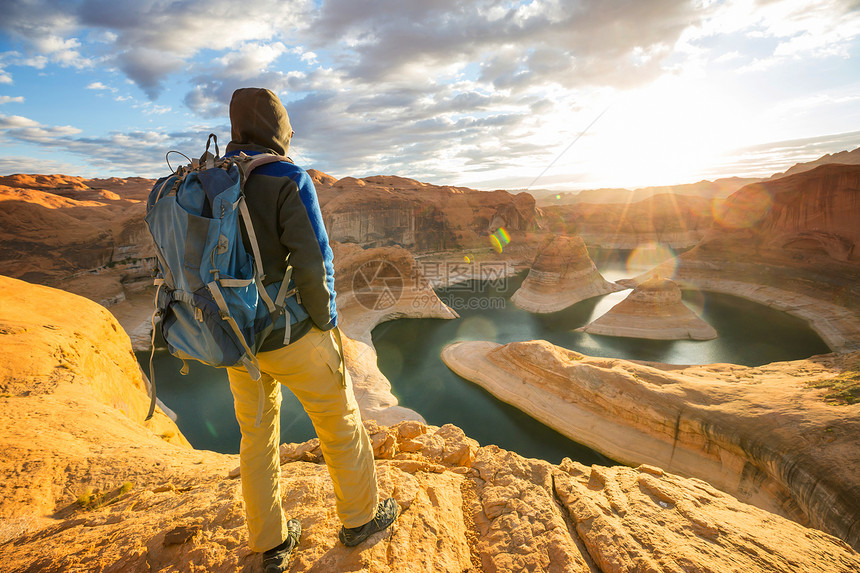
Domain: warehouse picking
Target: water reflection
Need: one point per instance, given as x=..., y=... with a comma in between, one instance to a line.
x=408, y=351
x=749, y=334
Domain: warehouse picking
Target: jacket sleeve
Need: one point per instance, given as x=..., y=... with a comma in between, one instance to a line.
x=303, y=234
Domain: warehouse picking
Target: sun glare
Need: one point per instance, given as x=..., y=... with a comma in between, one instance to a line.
x=670, y=132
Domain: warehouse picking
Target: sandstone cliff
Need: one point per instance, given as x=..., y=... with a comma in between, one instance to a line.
x=87, y=486
x=375, y=285
x=388, y=210
x=562, y=275
x=791, y=243
x=84, y=235
x=766, y=435
x=717, y=188
x=653, y=310
x=677, y=221
x=88, y=236
x=842, y=157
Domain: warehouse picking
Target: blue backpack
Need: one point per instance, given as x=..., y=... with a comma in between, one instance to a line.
x=210, y=303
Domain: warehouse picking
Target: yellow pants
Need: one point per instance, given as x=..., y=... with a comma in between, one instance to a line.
x=311, y=368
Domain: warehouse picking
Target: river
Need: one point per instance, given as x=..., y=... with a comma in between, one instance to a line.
x=749, y=334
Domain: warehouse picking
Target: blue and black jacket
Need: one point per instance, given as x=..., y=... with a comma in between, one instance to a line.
x=285, y=212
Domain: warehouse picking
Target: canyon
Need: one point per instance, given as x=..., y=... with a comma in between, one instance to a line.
x=89, y=485
x=763, y=434
x=773, y=439
x=766, y=435
x=789, y=243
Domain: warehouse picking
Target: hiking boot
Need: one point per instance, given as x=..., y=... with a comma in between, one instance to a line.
x=278, y=559
x=386, y=512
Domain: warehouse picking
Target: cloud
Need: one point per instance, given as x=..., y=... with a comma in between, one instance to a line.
x=549, y=40
x=147, y=39
x=251, y=58
x=30, y=131
x=11, y=99
x=147, y=68
x=534, y=41
x=100, y=86
x=794, y=28
x=439, y=88
x=29, y=164
x=135, y=152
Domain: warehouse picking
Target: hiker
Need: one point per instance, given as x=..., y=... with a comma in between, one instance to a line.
x=287, y=221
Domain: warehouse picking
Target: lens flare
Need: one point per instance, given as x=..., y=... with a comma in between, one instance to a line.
x=743, y=209
x=469, y=258
x=500, y=238
x=476, y=328
x=649, y=255
x=496, y=244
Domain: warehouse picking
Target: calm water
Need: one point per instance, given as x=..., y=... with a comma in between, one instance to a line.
x=408, y=349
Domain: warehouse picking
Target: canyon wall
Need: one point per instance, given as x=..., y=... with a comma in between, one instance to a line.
x=88, y=486
x=772, y=436
x=677, y=221
x=83, y=235
x=790, y=243
x=388, y=210
x=88, y=236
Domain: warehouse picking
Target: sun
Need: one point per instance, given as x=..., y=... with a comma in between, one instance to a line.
x=672, y=131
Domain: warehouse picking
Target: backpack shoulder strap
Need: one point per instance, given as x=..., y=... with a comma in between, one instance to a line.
x=247, y=164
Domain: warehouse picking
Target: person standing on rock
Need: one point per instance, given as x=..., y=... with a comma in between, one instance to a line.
x=287, y=221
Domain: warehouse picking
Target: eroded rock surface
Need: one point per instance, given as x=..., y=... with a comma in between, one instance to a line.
x=653, y=310
x=790, y=243
x=87, y=486
x=388, y=210
x=375, y=285
x=675, y=220
x=562, y=275
x=763, y=434
x=83, y=235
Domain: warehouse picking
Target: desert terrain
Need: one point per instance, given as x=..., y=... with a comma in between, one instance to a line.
x=729, y=467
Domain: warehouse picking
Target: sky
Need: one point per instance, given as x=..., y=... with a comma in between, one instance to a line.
x=487, y=94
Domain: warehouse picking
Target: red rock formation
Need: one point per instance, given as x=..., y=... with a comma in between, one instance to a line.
x=705, y=189
x=814, y=213
x=674, y=220
x=54, y=228
x=388, y=210
x=60, y=230
x=799, y=234
x=790, y=243
x=562, y=275
x=654, y=310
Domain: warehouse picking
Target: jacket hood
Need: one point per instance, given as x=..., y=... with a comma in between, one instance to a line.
x=259, y=122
